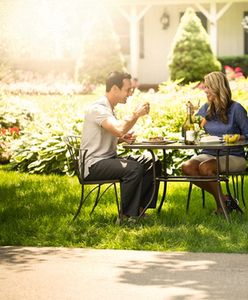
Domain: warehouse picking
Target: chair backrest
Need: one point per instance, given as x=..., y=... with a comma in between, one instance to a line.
x=73, y=145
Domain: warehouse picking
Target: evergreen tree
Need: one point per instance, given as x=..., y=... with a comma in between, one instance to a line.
x=191, y=56
x=101, y=53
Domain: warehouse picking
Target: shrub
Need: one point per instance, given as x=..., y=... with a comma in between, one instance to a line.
x=233, y=73
x=6, y=138
x=235, y=61
x=15, y=112
x=40, y=153
x=14, y=117
x=40, y=148
x=191, y=56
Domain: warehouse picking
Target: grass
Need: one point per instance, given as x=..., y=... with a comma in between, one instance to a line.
x=36, y=210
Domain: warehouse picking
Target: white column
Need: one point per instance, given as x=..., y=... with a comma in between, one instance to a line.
x=213, y=16
x=213, y=26
x=134, y=41
x=133, y=17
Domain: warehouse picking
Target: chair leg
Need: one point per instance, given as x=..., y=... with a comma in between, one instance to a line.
x=97, y=199
x=100, y=196
x=82, y=200
x=80, y=204
x=163, y=197
x=117, y=200
x=189, y=194
x=203, y=198
x=119, y=205
x=237, y=187
x=234, y=187
x=242, y=189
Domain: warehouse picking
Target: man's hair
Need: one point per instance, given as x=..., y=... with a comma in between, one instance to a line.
x=116, y=78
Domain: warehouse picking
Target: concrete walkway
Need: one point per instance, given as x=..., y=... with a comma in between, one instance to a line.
x=62, y=273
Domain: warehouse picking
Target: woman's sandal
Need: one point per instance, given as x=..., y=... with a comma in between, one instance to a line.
x=232, y=204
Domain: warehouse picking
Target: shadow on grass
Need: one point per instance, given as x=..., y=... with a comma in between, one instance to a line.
x=38, y=210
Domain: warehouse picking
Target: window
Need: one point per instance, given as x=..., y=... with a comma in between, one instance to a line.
x=203, y=19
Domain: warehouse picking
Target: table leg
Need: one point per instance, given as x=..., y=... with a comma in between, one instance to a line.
x=164, y=162
x=223, y=205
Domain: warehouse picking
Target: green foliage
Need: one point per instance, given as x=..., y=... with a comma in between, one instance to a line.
x=40, y=153
x=101, y=52
x=14, y=117
x=235, y=61
x=15, y=112
x=191, y=56
x=40, y=148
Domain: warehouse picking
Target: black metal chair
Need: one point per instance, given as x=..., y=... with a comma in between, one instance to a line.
x=235, y=185
x=73, y=146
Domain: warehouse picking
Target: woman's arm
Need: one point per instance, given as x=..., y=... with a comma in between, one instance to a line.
x=242, y=121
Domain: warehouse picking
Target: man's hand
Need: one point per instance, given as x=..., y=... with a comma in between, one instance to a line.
x=121, y=128
x=128, y=138
x=142, y=109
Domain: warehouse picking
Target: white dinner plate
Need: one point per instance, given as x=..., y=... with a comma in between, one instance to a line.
x=164, y=142
x=211, y=139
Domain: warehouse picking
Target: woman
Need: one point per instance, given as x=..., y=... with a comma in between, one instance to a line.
x=221, y=115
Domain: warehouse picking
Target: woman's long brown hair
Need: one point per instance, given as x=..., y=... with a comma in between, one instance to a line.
x=219, y=85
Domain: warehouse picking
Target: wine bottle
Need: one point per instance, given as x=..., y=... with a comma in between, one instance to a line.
x=188, y=127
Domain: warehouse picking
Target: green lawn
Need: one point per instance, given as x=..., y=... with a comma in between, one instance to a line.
x=36, y=210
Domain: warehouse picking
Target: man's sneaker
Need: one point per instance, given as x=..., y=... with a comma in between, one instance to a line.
x=126, y=220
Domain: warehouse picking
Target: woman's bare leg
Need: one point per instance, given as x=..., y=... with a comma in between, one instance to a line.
x=207, y=168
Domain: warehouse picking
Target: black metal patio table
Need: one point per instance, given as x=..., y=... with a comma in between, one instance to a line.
x=165, y=177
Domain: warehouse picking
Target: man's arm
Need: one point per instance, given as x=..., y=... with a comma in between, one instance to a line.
x=120, y=127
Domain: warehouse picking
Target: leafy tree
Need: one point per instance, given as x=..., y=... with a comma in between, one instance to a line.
x=101, y=52
x=191, y=56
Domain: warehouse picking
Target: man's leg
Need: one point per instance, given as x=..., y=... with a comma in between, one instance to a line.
x=130, y=173
x=147, y=185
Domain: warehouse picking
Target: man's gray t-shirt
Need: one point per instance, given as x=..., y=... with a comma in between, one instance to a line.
x=100, y=143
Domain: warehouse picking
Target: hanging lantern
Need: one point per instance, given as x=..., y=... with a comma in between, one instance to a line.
x=165, y=20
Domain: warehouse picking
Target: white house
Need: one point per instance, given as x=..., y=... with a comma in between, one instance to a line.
x=146, y=29
x=146, y=43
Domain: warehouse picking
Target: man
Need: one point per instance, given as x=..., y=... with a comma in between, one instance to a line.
x=101, y=133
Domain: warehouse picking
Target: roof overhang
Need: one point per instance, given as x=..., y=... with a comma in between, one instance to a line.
x=171, y=2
